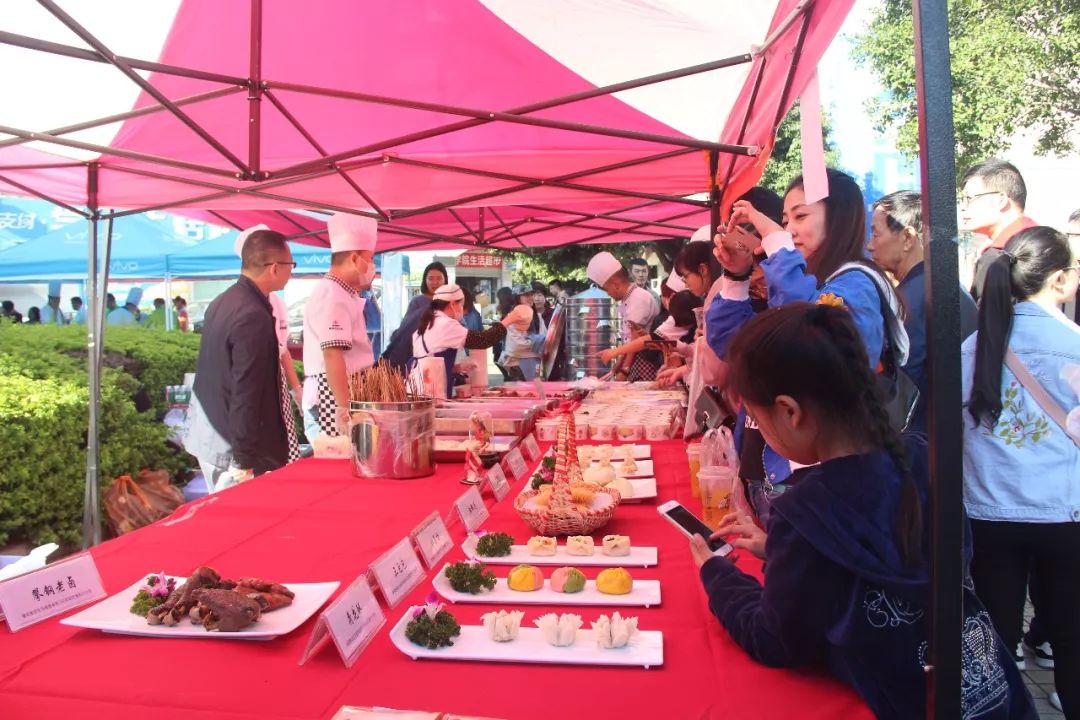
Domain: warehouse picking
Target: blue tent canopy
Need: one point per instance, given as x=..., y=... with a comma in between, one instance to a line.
x=139, y=248
x=44, y=242
x=217, y=258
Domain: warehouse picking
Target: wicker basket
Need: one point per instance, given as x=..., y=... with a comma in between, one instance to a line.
x=561, y=516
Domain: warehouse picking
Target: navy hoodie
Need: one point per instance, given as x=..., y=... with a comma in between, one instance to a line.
x=838, y=595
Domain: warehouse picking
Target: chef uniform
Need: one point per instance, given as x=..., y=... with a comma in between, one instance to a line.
x=637, y=306
x=49, y=314
x=334, y=318
x=127, y=315
x=445, y=336
x=281, y=329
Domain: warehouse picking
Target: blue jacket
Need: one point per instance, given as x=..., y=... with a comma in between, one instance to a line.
x=838, y=595
x=1026, y=469
x=788, y=281
x=913, y=290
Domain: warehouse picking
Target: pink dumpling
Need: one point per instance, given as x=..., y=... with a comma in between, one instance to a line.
x=567, y=580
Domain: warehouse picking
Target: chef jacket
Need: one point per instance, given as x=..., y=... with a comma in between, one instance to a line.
x=121, y=316
x=333, y=318
x=637, y=307
x=445, y=333
x=49, y=316
x=281, y=322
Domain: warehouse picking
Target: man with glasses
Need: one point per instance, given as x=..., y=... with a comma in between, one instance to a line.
x=236, y=424
x=336, y=342
x=992, y=204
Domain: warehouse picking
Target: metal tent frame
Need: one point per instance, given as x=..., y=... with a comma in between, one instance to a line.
x=937, y=163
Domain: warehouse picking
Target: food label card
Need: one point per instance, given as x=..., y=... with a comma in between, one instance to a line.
x=351, y=621
x=471, y=508
x=432, y=538
x=515, y=462
x=532, y=448
x=496, y=479
x=50, y=591
x=397, y=572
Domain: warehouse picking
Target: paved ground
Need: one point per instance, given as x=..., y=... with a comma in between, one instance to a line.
x=1040, y=683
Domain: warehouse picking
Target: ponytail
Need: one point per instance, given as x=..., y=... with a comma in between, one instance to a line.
x=1016, y=274
x=428, y=318
x=995, y=326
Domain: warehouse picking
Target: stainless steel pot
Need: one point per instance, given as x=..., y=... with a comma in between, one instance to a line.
x=393, y=440
x=592, y=325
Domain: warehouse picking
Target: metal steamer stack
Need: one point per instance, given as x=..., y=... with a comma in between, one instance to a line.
x=592, y=325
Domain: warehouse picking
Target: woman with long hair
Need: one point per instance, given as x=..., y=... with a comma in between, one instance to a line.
x=399, y=349
x=816, y=256
x=1021, y=466
x=847, y=585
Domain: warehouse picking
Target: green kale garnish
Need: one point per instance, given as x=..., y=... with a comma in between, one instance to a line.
x=469, y=577
x=494, y=545
x=433, y=634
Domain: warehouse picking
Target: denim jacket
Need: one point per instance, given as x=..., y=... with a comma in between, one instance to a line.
x=788, y=281
x=1026, y=469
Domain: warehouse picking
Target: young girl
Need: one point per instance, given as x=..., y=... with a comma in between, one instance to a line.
x=1021, y=469
x=441, y=332
x=847, y=585
x=803, y=259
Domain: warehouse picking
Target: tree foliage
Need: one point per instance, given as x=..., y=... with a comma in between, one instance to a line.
x=785, y=163
x=1015, y=66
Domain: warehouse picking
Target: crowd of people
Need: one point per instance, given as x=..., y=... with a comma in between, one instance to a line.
x=127, y=314
x=814, y=342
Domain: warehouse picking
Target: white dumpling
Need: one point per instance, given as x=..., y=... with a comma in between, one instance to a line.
x=580, y=545
x=626, y=490
x=614, y=633
x=541, y=545
x=559, y=630
x=616, y=545
x=502, y=626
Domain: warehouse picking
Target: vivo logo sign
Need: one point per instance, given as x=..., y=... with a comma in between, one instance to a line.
x=315, y=260
x=129, y=266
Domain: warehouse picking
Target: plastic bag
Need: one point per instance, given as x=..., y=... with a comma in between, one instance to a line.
x=132, y=504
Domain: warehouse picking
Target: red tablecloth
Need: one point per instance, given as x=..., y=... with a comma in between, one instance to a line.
x=314, y=522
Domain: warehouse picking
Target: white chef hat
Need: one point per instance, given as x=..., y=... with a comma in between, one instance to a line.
x=702, y=234
x=243, y=236
x=351, y=232
x=448, y=293
x=675, y=283
x=602, y=266
x=54, y=288
x=134, y=296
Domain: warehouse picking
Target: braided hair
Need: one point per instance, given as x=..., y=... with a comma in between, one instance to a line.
x=814, y=354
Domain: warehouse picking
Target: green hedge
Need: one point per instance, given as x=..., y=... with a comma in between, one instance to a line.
x=43, y=420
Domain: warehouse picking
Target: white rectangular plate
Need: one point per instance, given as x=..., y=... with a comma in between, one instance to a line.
x=111, y=615
x=644, y=468
x=645, y=593
x=644, y=489
x=641, y=452
x=640, y=556
x=645, y=650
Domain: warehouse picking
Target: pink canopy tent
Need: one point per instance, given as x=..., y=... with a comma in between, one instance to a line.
x=446, y=124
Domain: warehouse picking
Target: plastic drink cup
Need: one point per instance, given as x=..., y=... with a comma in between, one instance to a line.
x=693, y=455
x=715, y=486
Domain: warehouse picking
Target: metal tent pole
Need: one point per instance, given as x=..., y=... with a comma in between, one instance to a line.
x=169, y=321
x=937, y=162
x=91, y=534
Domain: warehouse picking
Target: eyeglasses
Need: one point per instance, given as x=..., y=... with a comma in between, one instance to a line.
x=966, y=200
x=280, y=262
